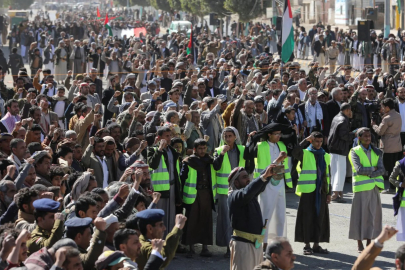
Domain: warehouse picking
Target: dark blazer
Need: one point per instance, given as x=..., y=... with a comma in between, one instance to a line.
x=208, y=91
x=340, y=139
x=47, y=55
x=106, y=96
x=166, y=53
x=3, y=129
x=318, y=46
x=166, y=83
x=333, y=109
x=15, y=62
x=99, y=86
x=95, y=58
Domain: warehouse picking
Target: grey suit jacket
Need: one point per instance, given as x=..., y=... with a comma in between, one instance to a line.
x=91, y=161
x=74, y=90
x=207, y=121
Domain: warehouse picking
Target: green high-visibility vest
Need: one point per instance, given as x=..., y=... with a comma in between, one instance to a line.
x=190, y=186
x=364, y=182
x=263, y=151
x=307, y=175
x=223, y=173
x=403, y=199
x=160, y=177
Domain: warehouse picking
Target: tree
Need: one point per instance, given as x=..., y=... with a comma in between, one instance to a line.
x=18, y=4
x=175, y=4
x=195, y=7
x=161, y=4
x=247, y=10
x=216, y=6
x=142, y=3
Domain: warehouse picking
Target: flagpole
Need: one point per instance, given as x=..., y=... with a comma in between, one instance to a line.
x=281, y=51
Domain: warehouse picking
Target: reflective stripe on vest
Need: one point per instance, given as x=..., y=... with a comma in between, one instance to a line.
x=160, y=177
x=263, y=151
x=364, y=182
x=223, y=173
x=307, y=176
x=190, y=186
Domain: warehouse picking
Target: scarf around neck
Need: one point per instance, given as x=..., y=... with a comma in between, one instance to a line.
x=9, y=121
x=321, y=169
x=308, y=115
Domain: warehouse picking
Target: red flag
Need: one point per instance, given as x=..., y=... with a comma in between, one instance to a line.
x=98, y=13
x=190, y=49
x=139, y=30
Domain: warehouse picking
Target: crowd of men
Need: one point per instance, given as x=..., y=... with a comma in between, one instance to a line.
x=117, y=151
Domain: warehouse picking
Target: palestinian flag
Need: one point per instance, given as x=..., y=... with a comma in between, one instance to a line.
x=98, y=14
x=107, y=26
x=287, y=33
x=190, y=47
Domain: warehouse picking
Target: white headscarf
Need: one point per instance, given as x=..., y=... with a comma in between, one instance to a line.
x=230, y=129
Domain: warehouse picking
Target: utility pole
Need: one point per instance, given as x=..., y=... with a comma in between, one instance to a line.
x=387, y=25
x=274, y=12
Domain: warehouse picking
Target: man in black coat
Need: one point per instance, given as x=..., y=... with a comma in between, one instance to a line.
x=333, y=105
x=97, y=81
x=107, y=95
x=340, y=142
x=210, y=89
x=319, y=48
x=15, y=62
x=246, y=216
x=97, y=62
x=162, y=51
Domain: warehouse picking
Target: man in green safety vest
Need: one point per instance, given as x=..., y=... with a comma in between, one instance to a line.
x=226, y=157
x=313, y=185
x=198, y=198
x=368, y=181
x=272, y=199
x=163, y=161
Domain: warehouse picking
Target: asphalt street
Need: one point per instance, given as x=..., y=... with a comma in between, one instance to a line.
x=343, y=252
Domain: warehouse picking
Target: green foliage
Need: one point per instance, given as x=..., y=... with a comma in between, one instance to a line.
x=17, y=4
x=175, y=4
x=196, y=7
x=142, y=3
x=161, y=4
x=216, y=6
x=247, y=10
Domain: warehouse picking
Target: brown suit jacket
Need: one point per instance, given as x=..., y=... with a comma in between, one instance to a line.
x=389, y=130
x=367, y=258
x=81, y=129
x=91, y=161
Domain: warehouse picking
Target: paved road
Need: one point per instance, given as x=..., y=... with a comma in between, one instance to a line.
x=343, y=252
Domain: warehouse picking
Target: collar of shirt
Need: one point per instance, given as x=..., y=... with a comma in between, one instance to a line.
x=366, y=149
x=16, y=159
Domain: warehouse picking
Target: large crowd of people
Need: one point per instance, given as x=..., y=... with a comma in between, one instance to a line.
x=116, y=151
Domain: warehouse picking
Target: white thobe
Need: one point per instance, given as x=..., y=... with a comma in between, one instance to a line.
x=272, y=203
x=337, y=171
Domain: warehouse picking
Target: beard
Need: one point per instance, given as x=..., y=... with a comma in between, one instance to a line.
x=147, y=186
